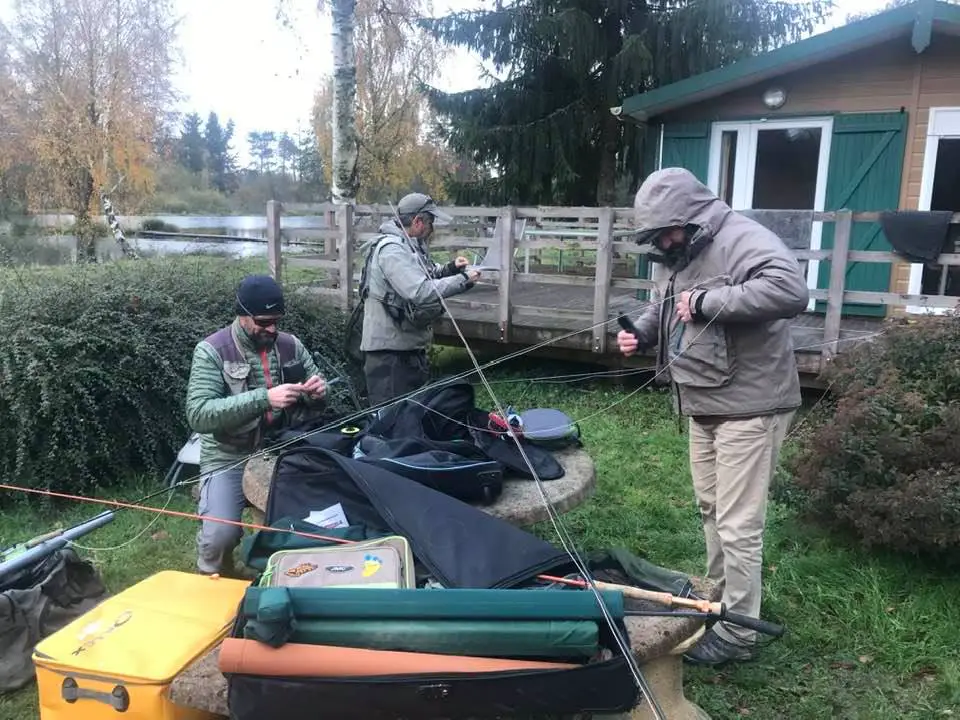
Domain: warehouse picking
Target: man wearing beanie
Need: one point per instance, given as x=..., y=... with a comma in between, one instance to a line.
x=246, y=379
x=404, y=287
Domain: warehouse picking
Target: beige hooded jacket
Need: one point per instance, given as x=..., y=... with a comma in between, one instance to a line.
x=736, y=358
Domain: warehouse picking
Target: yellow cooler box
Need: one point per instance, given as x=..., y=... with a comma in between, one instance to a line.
x=118, y=660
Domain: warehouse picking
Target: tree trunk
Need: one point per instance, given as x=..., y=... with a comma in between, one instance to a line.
x=86, y=232
x=345, y=145
x=607, y=175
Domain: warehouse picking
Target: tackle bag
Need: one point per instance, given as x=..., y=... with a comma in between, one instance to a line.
x=40, y=601
x=457, y=468
x=446, y=411
x=377, y=653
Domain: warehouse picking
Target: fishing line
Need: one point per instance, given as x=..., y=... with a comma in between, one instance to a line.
x=558, y=526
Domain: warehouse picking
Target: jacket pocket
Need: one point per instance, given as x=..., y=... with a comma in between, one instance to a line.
x=235, y=374
x=700, y=352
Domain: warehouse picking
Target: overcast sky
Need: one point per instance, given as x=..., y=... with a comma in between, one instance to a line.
x=240, y=61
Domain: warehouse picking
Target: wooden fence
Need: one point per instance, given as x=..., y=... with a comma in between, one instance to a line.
x=608, y=264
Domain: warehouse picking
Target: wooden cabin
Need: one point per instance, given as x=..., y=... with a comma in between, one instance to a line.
x=864, y=117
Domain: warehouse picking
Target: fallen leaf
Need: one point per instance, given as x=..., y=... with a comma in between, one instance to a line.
x=743, y=711
x=865, y=659
x=891, y=608
x=160, y=535
x=842, y=666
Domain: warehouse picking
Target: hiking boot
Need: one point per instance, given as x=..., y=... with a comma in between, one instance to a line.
x=714, y=650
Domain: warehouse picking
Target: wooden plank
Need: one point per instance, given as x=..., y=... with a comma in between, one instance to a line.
x=838, y=274
x=631, y=284
x=316, y=261
x=274, y=251
x=547, y=279
x=507, y=222
x=602, y=277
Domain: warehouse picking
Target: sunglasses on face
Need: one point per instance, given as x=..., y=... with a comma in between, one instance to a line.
x=266, y=322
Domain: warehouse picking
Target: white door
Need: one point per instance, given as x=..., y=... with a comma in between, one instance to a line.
x=939, y=190
x=773, y=165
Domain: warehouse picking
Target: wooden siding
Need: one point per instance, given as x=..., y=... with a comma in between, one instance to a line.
x=886, y=77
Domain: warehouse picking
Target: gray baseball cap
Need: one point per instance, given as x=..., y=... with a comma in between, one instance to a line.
x=416, y=203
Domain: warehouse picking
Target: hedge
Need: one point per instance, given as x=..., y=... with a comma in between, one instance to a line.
x=880, y=458
x=96, y=360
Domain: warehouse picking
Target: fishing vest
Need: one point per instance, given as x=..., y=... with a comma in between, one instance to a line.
x=236, y=374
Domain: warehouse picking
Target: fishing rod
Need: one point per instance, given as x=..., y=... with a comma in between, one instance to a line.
x=19, y=557
x=47, y=544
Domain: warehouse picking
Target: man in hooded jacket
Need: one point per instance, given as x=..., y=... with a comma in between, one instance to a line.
x=727, y=288
x=405, y=286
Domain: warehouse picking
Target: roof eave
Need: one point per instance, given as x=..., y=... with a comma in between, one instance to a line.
x=811, y=51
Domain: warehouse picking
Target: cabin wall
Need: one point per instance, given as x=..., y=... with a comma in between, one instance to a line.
x=887, y=77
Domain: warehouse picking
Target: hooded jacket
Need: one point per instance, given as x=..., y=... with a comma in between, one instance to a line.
x=736, y=358
x=402, y=277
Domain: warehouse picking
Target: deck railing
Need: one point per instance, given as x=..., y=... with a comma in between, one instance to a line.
x=597, y=236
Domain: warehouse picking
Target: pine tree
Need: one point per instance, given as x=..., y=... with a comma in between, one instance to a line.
x=544, y=124
x=192, y=146
x=221, y=161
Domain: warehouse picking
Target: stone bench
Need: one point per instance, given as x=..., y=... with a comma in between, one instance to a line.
x=657, y=642
x=520, y=503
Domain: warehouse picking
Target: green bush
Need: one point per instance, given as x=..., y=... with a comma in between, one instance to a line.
x=880, y=457
x=96, y=360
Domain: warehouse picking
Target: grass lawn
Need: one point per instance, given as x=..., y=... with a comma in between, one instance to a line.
x=867, y=636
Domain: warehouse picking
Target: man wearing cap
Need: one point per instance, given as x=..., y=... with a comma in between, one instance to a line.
x=405, y=286
x=246, y=379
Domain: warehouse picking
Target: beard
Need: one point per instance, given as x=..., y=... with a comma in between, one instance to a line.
x=264, y=339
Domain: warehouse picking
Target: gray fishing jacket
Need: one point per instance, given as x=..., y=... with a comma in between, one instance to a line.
x=403, y=283
x=736, y=359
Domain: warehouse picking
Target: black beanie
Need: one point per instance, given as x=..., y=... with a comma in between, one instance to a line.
x=259, y=295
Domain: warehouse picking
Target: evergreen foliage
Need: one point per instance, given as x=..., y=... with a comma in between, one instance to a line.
x=96, y=360
x=544, y=125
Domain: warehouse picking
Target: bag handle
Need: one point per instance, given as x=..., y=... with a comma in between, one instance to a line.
x=118, y=698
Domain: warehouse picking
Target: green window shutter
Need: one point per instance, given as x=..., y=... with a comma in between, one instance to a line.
x=866, y=166
x=685, y=145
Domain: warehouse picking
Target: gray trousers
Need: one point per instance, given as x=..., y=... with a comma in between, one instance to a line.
x=392, y=373
x=221, y=496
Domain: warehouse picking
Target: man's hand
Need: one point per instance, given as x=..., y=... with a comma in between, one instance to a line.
x=283, y=396
x=683, y=307
x=627, y=342
x=461, y=262
x=315, y=387
x=473, y=275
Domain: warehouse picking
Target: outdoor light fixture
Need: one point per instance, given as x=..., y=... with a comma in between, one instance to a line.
x=774, y=98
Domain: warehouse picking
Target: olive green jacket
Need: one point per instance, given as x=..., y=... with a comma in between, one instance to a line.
x=211, y=407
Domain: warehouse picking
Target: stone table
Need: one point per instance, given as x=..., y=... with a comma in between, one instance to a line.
x=519, y=504
x=657, y=644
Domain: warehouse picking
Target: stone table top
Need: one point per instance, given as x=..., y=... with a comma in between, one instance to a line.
x=520, y=502
x=202, y=686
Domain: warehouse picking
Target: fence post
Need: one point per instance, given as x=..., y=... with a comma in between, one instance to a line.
x=843, y=225
x=604, y=272
x=329, y=243
x=507, y=223
x=345, y=258
x=274, y=254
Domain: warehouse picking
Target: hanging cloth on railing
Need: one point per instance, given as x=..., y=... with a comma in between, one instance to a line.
x=917, y=235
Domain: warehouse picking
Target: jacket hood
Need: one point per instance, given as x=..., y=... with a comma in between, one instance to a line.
x=673, y=197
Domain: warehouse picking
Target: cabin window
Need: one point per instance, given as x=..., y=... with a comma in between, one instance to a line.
x=940, y=190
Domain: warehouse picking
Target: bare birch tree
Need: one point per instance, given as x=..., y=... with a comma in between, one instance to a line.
x=344, y=179
x=393, y=58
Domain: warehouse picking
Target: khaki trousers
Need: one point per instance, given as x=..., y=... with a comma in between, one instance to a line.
x=732, y=463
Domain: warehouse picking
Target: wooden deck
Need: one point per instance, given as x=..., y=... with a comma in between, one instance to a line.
x=566, y=273
x=551, y=313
